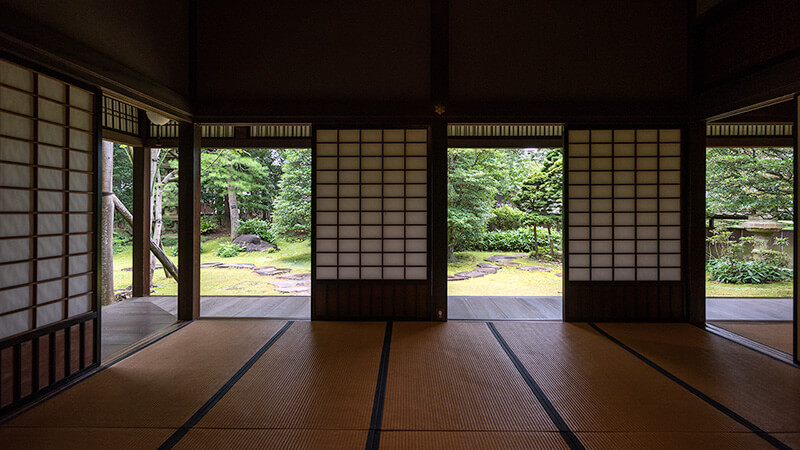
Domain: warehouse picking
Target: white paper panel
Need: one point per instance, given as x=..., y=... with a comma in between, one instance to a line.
x=624, y=203
x=15, y=249
x=78, y=305
x=12, y=299
x=48, y=314
x=80, y=98
x=50, y=290
x=14, y=323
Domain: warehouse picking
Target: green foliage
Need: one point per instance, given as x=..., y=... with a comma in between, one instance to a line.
x=752, y=181
x=207, y=226
x=505, y=218
x=292, y=213
x=229, y=250
x=258, y=227
x=120, y=242
x=728, y=262
x=733, y=271
x=517, y=240
x=476, y=177
x=123, y=175
x=540, y=195
x=251, y=174
x=173, y=251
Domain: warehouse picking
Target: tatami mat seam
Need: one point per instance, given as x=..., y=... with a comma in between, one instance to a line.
x=719, y=406
x=200, y=413
x=749, y=344
x=569, y=437
x=374, y=435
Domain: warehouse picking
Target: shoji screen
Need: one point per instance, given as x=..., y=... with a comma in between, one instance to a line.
x=624, y=223
x=47, y=299
x=371, y=223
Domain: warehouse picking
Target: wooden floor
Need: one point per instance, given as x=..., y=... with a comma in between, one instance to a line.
x=256, y=383
x=757, y=309
x=504, y=308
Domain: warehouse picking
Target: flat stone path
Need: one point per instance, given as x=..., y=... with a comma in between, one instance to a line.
x=495, y=263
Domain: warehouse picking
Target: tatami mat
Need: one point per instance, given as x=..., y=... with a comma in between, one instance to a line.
x=672, y=441
x=319, y=375
x=160, y=386
x=760, y=389
x=81, y=438
x=777, y=335
x=213, y=439
x=455, y=377
x=477, y=440
x=596, y=385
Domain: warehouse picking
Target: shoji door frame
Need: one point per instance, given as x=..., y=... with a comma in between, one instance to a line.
x=636, y=309
x=65, y=327
x=796, y=203
x=423, y=312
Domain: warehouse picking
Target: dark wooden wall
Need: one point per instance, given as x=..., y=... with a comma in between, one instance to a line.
x=640, y=301
x=376, y=300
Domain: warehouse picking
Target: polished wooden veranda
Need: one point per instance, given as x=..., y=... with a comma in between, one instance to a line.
x=251, y=383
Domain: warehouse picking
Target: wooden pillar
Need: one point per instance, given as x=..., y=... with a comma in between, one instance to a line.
x=796, y=245
x=438, y=218
x=141, y=221
x=189, y=221
x=694, y=223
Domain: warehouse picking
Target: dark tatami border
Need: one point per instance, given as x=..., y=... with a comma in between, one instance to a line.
x=374, y=435
x=569, y=437
x=200, y=413
x=699, y=394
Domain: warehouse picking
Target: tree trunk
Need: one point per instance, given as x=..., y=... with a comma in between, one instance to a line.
x=155, y=157
x=107, y=227
x=536, y=241
x=451, y=255
x=234, y=208
x=156, y=252
x=550, y=240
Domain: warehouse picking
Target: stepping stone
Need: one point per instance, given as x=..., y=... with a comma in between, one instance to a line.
x=236, y=266
x=271, y=271
x=559, y=274
x=535, y=268
x=127, y=269
x=507, y=263
x=485, y=270
x=455, y=278
x=283, y=284
x=295, y=276
x=500, y=258
x=291, y=290
x=211, y=264
x=470, y=274
x=489, y=266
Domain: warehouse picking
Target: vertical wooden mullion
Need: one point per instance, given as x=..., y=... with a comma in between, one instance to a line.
x=591, y=219
x=658, y=204
x=51, y=357
x=34, y=218
x=35, y=364
x=636, y=204
x=613, y=205
x=82, y=345
x=65, y=205
x=67, y=351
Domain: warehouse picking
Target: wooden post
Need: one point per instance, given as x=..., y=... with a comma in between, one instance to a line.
x=438, y=218
x=107, y=226
x=694, y=222
x=141, y=221
x=189, y=221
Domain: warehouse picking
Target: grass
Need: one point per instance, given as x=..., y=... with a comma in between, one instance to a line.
x=507, y=281
x=213, y=281
x=297, y=256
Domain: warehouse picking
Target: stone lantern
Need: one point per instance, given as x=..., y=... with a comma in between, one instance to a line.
x=762, y=230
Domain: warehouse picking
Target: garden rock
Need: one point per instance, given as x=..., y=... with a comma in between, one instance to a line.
x=485, y=270
x=295, y=276
x=455, y=278
x=282, y=284
x=489, y=266
x=470, y=274
x=236, y=266
x=271, y=271
x=253, y=243
x=211, y=264
x=535, y=268
x=500, y=258
x=559, y=274
x=302, y=290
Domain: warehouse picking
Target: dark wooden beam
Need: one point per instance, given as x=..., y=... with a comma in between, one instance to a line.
x=694, y=223
x=505, y=142
x=141, y=221
x=189, y=222
x=438, y=217
x=749, y=141
x=236, y=143
x=30, y=41
x=440, y=52
x=121, y=138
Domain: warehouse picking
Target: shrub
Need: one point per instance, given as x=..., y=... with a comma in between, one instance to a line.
x=173, y=250
x=207, y=226
x=519, y=240
x=229, y=250
x=120, y=242
x=727, y=270
x=505, y=218
x=257, y=227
